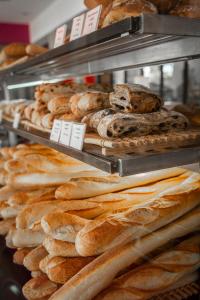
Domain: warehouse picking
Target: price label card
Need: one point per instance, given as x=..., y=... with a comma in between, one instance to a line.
x=77, y=136
x=1, y=116
x=16, y=120
x=56, y=131
x=60, y=36
x=92, y=20
x=66, y=131
x=77, y=27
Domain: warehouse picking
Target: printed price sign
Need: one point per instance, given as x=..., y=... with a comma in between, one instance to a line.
x=77, y=27
x=56, y=131
x=1, y=116
x=16, y=120
x=77, y=136
x=66, y=131
x=60, y=36
x=92, y=20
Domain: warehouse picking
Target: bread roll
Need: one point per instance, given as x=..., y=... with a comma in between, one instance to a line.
x=96, y=276
x=81, y=188
x=159, y=274
x=32, y=260
x=141, y=219
x=15, y=50
x=20, y=254
x=6, y=225
x=60, y=105
x=123, y=9
x=39, y=287
x=33, y=50
x=62, y=226
x=59, y=248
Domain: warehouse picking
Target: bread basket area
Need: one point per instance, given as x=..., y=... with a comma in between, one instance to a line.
x=100, y=150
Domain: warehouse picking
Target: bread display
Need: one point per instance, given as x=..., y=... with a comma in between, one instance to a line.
x=187, y=8
x=134, y=99
x=123, y=9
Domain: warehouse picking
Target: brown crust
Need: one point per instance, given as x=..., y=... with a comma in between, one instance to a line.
x=32, y=260
x=39, y=287
x=20, y=254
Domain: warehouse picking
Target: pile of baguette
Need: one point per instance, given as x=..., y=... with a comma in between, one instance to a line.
x=15, y=53
x=117, y=10
x=85, y=235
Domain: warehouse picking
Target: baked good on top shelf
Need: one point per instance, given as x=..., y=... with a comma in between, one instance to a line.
x=187, y=8
x=164, y=6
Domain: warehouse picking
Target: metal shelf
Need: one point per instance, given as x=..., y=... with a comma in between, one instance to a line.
x=134, y=42
x=123, y=164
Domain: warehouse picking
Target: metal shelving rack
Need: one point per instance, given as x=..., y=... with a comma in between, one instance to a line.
x=131, y=43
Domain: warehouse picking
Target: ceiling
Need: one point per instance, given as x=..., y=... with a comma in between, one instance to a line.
x=21, y=11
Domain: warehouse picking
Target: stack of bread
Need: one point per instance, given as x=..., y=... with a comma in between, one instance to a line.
x=87, y=235
x=10, y=108
x=13, y=53
x=135, y=111
x=117, y=10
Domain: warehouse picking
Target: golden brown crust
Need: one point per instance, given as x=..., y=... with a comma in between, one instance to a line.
x=164, y=6
x=60, y=248
x=32, y=260
x=6, y=225
x=187, y=8
x=33, y=50
x=15, y=50
x=20, y=254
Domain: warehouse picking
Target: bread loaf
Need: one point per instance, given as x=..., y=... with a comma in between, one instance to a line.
x=159, y=274
x=81, y=188
x=15, y=50
x=33, y=50
x=44, y=262
x=134, y=98
x=39, y=287
x=59, y=248
x=60, y=105
x=20, y=238
x=32, y=259
x=96, y=276
x=9, y=212
x=20, y=254
x=35, y=274
x=123, y=9
x=187, y=8
x=6, y=225
x=141, y=219
x=62, y=226
x=93, y=119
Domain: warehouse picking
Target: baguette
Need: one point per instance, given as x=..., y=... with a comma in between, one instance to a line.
x=61, y=269
x=60, y=248
x=6, y=192
x=20, y=238
x=98, y=275
x=32, y=260
x=6, y=225
x=39, y=287
x=89, y=187
x=44, y=262
x=3, y=177
x=35, y=274
x=20, y=254
x=141, y=219
x=9, y=212
x=62, y=226
x=159, y=274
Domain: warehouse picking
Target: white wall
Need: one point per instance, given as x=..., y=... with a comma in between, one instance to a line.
x=58, y=12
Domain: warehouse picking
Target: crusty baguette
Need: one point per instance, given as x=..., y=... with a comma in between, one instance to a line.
x=18, y=165
x=60, y=269
x=35, y=274
x=20, y=254
x=6, y=192
x=62, y=226
x=6, y=225
x=159, y=274
x=32, y=260
x=3, y=177
x=141, y=219
x=89, y=187
x=9, y=212
x=21, y=198
x=96, y=276
x=39, y=287
x=20, y=238
x=60, y=248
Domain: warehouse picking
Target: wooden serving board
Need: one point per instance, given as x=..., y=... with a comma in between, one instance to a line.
x=158, y=142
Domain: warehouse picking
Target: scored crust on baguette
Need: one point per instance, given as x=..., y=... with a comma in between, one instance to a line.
x=96, y=276
x=159, y=274
x=60, y=248
x=62, y=226
x=39, y=287
x=20, y=254
x=142, y=218
x=81, y=188
x=32, y=260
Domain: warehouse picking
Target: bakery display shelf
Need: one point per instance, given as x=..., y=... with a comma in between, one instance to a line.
x=124, y=164
x=167, y=38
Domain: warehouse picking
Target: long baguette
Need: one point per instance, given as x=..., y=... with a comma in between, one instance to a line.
x=158, y=275
x=141, y=219
x=93, y=186
x=20, y=238
x=32, y=259
x=60, y=248
x=96, y=276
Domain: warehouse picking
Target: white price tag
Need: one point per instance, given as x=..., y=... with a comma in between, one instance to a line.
x=92, y=20
x=1, y=116
x=77, y=136
x=60, y=36
x=77, y=27
x=66, y=131
x=56, y=130
x=16, y=120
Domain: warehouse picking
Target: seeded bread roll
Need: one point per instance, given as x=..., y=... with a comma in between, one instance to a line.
x=99, y=274
x=123, y=125
x=134, y=98
x=123, y=9
x=59, y=248
x=84, y=103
